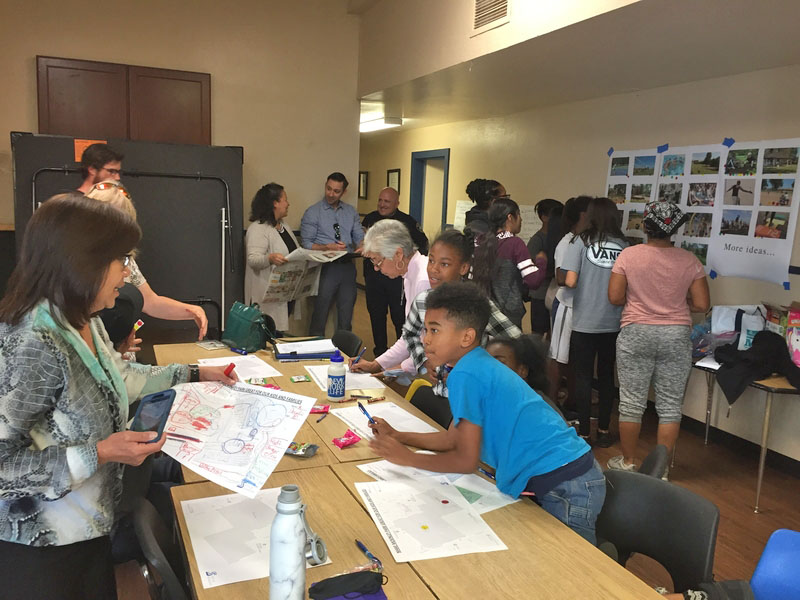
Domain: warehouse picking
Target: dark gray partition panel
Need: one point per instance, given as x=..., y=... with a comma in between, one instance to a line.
x=179, y=192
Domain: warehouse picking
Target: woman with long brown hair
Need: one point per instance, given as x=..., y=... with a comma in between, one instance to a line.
x=64, y=402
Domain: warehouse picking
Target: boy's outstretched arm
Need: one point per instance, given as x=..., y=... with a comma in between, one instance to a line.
x=459, y=447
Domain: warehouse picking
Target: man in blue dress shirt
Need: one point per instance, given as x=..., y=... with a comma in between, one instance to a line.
x=331, y=224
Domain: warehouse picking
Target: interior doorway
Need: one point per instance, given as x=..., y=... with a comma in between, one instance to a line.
x=428, y=194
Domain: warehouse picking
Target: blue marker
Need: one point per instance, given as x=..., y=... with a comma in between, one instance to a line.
x=368, y=554
x=239, y=350
x=360, y=354
x=485, y=472
x=366, y=414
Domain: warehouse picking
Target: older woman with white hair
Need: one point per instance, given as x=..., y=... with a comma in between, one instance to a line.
x=157, y=306
x=389, y=247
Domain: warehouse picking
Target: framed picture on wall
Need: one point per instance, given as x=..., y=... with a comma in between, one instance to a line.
x=393, y=179
x=363, y=180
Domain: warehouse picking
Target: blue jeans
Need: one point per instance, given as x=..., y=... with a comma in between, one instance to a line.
x=577, y=502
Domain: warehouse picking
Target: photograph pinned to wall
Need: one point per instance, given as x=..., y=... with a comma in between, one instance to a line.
x=635, y=221
x=619, y=166
x=739, y=192
x=778, y=161
x=670, y=192
x=776, y=192
x=363, y=182
x=702, y=194
x=698, y=225
x=735, y=222
x=641, y=192
x=673, y=165
x=699, y=250
x=616, y=192
x=705, y=163
x=393, y=179
x=644, y=165
x=742, y=162
x=771, y=224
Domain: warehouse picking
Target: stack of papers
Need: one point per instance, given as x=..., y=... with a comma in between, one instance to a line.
x=709, y=362
x=247, y=367
x=230, y=536
x=426, y=519
x=396, y=416
x=307, y=347
x=352, y=381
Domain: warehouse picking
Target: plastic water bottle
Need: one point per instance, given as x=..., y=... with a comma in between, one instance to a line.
x=336, y=375
x=287, y=545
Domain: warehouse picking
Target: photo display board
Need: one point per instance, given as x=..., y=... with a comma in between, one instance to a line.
x=740, y=198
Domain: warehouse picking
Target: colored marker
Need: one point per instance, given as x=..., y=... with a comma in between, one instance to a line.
x=366, y=414
x=178, y=436
x=322, y=417
x=229, y=369
x=485, y=472
x=368, y=554
x=137, y=325
x=239, y=350
x=360, y=354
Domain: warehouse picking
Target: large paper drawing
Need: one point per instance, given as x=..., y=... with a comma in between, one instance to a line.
x=242, y=431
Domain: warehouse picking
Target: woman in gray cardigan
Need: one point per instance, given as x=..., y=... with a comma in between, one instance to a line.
x=268, y=241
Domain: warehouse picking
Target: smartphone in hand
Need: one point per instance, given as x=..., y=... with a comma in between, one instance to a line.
x=153, y=412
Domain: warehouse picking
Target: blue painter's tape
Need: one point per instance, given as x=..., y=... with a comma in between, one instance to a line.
x=662, y=148
x=728, y=142
x=712, y=273
x=786, y=285
x=611, y=150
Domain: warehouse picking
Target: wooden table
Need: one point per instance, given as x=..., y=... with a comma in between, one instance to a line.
x=333, y=514
x=324, y=431
x=777, y=384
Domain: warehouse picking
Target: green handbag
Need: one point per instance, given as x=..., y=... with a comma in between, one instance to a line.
x=246, y=328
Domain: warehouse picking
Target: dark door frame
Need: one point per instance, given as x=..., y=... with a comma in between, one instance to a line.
x=416, y=197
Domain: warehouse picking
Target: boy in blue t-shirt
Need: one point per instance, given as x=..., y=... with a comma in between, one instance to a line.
x=497, y=419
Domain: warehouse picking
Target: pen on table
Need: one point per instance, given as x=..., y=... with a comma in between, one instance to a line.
x=178, y=436
x=368, y=554
x=361, y=396
x=322, y=417
x=485, y=472
x=229, y=369
x=360, y=354
x=366, y=414
x=239, y=350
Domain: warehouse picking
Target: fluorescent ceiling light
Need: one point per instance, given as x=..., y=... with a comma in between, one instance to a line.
x=378, y=124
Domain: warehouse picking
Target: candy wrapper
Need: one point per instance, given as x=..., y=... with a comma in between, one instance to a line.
x=320, y=408
x=263, y=382
x=301, y=449
x=299, y=378
x=348, y=439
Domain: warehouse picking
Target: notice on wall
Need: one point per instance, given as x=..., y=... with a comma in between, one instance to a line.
x=740, y=199
x=530, y=220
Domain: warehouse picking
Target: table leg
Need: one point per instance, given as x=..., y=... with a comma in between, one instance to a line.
x=764, y=439
x=709, y=402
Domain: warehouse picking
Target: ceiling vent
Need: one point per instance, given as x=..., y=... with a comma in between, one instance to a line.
x=489, y=14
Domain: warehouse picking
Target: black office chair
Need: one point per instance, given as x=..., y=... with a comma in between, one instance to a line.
x=348, y=342
x=436, y=407
x=655, y=465
x=162, y=567
x=661, y=520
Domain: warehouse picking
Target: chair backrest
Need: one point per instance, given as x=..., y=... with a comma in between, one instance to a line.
x=436, y=407
x=777, y=575
x=655, y=464
x=415, y=385
x=661, y=520
x=348, y=342
x=159, y=551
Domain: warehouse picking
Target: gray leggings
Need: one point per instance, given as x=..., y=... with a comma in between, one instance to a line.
x=661, y=354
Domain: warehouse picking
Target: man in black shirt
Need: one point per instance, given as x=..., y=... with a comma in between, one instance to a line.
x=382, y=292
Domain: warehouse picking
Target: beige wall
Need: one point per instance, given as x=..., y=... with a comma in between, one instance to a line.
x=560, y=151
x=283, y=77
x=405, y=39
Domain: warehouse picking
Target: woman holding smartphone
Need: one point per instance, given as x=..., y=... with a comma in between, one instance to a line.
x=64, y=398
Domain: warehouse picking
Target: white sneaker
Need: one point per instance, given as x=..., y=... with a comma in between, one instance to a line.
x=618, y=464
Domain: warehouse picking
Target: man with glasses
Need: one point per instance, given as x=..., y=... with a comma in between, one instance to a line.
x=331, y=224
x=382, y=292
x=99, y=162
